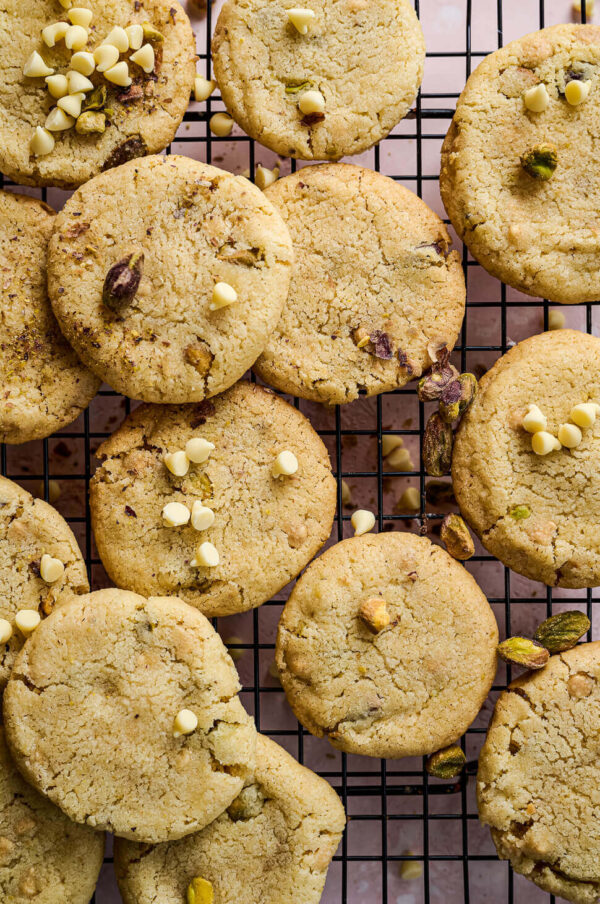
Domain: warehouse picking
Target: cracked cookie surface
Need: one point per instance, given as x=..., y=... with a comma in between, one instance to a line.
x=142, y=120
x=539, y=236
x=265, y=529
x=89, y=713
x=273, y=845
x=409, y=689
x=538, y=775
x=196, y=226
x=495, y=471
x=365, y=58
x=374, y=286
x=29, y=528
x=44, y=384
x=43, y=855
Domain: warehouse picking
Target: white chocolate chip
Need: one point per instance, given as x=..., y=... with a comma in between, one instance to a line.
x=76, y=37
x=27, y=620
x=135, y=36
x=311, y=102
x=144, y=57
x=584, y=415
x=57, y=85
x=569, y=435
x=537, y=98
x=301, y=18
x=83, y=61
x=346, y=494
x=202, y=516
x=285, y=464
x=203, y=88
x=78, y=83
x=175, y=514
x=399, y=460
x=42, y=142
x=118, y=38
x=185, y=723
x=543, y=442
x=59, y=121
x=556, y=320
x=105, y=56
x=79, y=15
x=66, y=4
x=54, y=33
x=177, y=463
x=198, y=449
x=534, y=420
x=207, y=556
x=362, y=521
x=51, y=569
x=5, y=630
x=265, y=177
x=576, y=92
x=589, y=8
x=389, y=443
x=221, y=124
x=35, y=67
x=222, y=296
x=119, y=75
x=410, y=500
x=71, y=104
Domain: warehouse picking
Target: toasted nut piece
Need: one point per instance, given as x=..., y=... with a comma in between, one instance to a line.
x=151, y=33
x=311, y=102
x=446, y=763
x=540, y=161
x=5, y=631
x=285, y=464
x=54, y=33
x=200, y=891
x=543, y=443
x=76, y=37
x=537, y=98
x=301, y=18
x=78, y=83
x=144, y=57
x=42, y=142
x=456, y=538
x=122, y=282
x=569, y=435
x=118, y=38
x=135, y=36
x=202, y=516
x=410, y=869
x=399, y=460
x=57, y=85
x=431, y=386
x=562, y=631
x=119, y=75
x=576, y=92
x=362, y=521
x=389, y=442
x=437, y=446
x=207, y=556
x=373, y=612
x=71, y=104
x=175, y=514
x=35, y=67
x=184, y=723
x=534, y=420
x=360, y=337
x=79, y=15
x=584, y=414
x=520, y=512
x=58, y=121
x=556, y=320
x=523, y=651
x=223, y=295
x=27, y=621
x=90, y=122
x=410, y=500
x=203, y=88
x=264, y=177
x=177, y=463
x=51, y=569
x=198, y=449
x=221, y=124
x=106, y=55
x=457, y=396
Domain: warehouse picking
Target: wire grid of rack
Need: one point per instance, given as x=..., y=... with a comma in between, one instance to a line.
x=397, y=813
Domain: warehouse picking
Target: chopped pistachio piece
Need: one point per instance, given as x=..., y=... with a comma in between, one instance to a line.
x=456, y=538
x=446, y=763
x=540, y=161
x=374, y=614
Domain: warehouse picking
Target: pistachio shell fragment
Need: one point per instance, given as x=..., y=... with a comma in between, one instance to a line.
x=200, y=891
x=431, y=386
x=562, y=631
x=540, y=161
x=122, y=281
x=446, y=763
x=523, y=651
x=437, y=446
x=456, y=538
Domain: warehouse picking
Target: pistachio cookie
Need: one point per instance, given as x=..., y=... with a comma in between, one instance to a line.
x=386, y=646
x=375, y=289
x=538, y=775
x=39, y=561
x=533, y=500
x=321, y=82
x=43, y=855
x=221, y=503
x=168, y=276
x=90, y=87
x=273, y=845
x=519, y=177
x=44, y=384
x=124, y=712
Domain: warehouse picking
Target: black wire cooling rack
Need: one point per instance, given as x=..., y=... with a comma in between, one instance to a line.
x=398, y=815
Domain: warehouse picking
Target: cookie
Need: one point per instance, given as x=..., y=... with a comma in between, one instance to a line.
x=538, y=235
x=538, y=774
x=91, y=713
x=538, y=514
x=44, y=384
x=138, y=115
x=375, y=289
x=273, y=845
x=30, y=529
x=362, y=63
x=386, y=646
x=265, y=529
x=43, y=855
x=135, y=264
